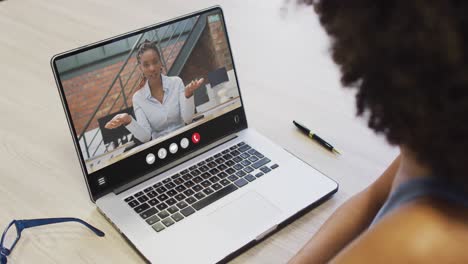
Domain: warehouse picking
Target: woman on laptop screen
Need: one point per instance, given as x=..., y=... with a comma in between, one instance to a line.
x=162, y=105
x=408, y=61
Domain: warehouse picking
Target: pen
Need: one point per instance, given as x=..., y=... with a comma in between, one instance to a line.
x=315, y=137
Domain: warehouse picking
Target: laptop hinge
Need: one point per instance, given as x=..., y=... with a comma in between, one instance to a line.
x=173, y=164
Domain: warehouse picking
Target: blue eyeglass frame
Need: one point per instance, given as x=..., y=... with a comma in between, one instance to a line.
x=27, y=223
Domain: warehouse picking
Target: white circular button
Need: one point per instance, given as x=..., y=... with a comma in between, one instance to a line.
x=184, y=143
x=150, y=158
x=162, y=153
x=173, y=148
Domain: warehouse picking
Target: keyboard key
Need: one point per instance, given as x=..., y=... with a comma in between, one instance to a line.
x=180, y=188
x=214, y=179
x=195, y=172
x=227, y=157
x=244, y=155
x=184, y=172
x=171, y=193
x=171, y=201
x=208, y=191
x=216, y=186
x=209, y=159
x=187, y=211
x=274, y=166
x=240, y=182
x=214, y=197
x=244, y=148
x=152, y=194
x=152, y=220
x=166, y=180
x=204, y=168
x=220, y=161
x=238, y=167
x=168, y=222
x=217, y=155
x=175, y=176
x=260, y=163
x=212, y=165
x=138, y=194
x=237, y=159
x=240, y=173
x=199, y=195
x=230, y=171
x=128, y=199
x=225, y=151
x=248, y=169
x=162, y=197
x=170, y=185
x=178, y=181
x=180, y=197
x=206, y=183
x=141, y=208
x=235, y=153
x=265, y=169
x=233, y=178
x=197, y=179
x=250, y=177
x=253, y=158
x=197, y=188
x=189, y=184
x=258, y=175
x=163, y=214
x=148, y=213
x=190, y=200
x=259, y=155
x=251, y=151
x=224, y=182
x=222, y=175
x=133, y=203
x=201, y=163
x=187, y=177
x=158, y=184
x=189, y=192
x=206, y=175
x=158, y=227
x=161, y=189
x=246, y=162
x=222, y=167
x=177, y=217
x=143, y=198
x=233, y=147
x=241, y=144
x=230, y=163
x=214, y=171
x=153, y=202
x=148, y=189
x=172, y=209
x=161, y=206
x=193, y=167
x=182, y=205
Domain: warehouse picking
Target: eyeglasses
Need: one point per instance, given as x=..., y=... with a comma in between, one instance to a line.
x=9, y=241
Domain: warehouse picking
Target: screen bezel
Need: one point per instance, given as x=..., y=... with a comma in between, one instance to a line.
x=117, y=174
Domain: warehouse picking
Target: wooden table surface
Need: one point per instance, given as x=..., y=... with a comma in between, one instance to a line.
x=285, y=73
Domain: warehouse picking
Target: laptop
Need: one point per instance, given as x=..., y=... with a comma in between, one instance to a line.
x=199, y=190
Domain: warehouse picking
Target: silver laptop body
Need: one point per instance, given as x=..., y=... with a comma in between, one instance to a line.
x=205, y=203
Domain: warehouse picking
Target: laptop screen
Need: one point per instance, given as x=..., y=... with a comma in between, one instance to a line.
x=144, y=99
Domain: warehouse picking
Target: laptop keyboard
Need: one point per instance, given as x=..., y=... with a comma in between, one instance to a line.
x=177, y=197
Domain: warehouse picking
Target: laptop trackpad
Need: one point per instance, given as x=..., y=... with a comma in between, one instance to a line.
x=244, y=215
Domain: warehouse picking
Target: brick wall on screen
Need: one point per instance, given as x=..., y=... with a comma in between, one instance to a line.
x=210, y=53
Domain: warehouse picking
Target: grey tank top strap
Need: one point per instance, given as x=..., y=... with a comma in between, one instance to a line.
x=422, y=187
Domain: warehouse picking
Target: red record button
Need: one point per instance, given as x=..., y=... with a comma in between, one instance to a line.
x=195, y=138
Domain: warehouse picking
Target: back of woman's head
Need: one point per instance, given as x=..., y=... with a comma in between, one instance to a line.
x=408, y=61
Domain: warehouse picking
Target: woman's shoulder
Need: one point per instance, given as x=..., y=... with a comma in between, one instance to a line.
x=173, y=79
x=425, y=230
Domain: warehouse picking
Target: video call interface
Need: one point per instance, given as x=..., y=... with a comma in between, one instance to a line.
x=131, y=94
